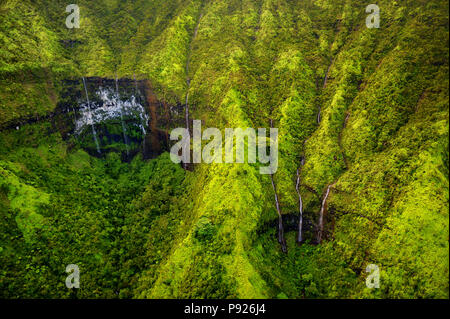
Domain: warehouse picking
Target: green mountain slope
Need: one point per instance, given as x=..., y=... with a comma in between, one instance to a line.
x=363, y=122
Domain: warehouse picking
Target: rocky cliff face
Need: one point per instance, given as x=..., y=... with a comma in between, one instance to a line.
x=106, y=115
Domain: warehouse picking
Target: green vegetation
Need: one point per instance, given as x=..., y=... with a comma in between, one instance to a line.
x=149, y=229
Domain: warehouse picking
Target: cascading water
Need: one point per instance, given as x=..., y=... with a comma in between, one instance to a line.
x=121, y=121
x=281, y=239
x=300, y=203
x=188, y=80
x=136, y=92
x=137, y=95
x=124, y=131
x=322, y=212
x=89, y=117
x=111, y=107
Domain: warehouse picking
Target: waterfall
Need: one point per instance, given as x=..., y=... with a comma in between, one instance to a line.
x=300, y=203
x=74, y=116
x=300, y=200
x=188, y=80
x=340, y=140
x=110, y=107
x=135, y=97
x=94, y=133
x=318, y=115
x=324, y=85
x=321, y=214
x=120, y=106
x=185, y=165
x=281, y=239
x=188, y=85
x=326, y=75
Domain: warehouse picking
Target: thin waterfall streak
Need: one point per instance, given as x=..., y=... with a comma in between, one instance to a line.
x=125, y=139
x=74, y=116
x=323, y=87
x=110, y=108
x=188, y=80
x=277, y=204
x=321, y=214
x=318, y=115
x=94, y=132
x=281, y=239
x=136, y=91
